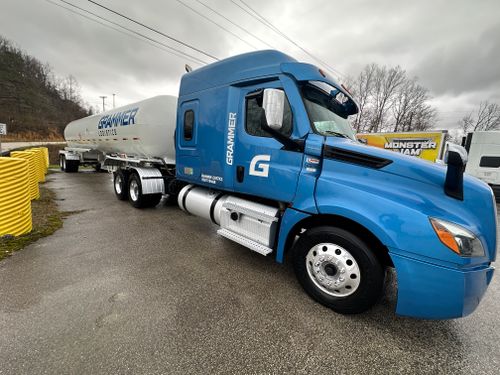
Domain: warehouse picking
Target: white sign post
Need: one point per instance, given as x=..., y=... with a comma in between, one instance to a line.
x=3, y=131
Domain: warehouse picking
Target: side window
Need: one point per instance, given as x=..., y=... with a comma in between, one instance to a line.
x=490, y=162
x=252, y=118
x=188, y=125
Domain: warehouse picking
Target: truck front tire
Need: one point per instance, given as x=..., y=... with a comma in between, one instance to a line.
x=338, y=270
x=137, y=198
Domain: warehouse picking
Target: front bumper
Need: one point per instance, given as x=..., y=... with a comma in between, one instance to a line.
x=430, y=291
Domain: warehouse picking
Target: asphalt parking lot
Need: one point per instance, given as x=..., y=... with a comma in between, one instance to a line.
x=119, y=290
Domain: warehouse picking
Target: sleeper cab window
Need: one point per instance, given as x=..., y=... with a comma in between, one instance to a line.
x=188, y=125
x=252, y=118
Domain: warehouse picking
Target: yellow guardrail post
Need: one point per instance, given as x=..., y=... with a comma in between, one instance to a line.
x=33, y=170
x=15, y=198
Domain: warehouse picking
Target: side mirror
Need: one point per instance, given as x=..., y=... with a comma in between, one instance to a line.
x=273, y=103
x=456, y=158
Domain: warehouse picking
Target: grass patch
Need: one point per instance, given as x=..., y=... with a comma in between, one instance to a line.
x=46, y=220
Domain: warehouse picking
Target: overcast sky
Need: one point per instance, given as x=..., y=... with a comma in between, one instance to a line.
x=452, y=46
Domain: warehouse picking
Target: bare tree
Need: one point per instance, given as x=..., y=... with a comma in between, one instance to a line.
x=390, y=101
x=362, y=89
x=411, y=110
x=386, y=84
x=487, y=118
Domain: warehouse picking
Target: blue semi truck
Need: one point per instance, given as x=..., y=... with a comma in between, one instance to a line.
x=264, y=149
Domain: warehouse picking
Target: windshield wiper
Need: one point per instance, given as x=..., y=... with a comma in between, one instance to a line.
x=337, y=134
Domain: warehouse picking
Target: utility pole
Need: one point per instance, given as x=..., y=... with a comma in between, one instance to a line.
x=103, y=104
x=114, y=101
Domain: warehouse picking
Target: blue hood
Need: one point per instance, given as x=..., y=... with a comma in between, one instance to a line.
x=477, y=211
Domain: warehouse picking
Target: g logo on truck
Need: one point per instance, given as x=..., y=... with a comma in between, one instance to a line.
x=259, y=169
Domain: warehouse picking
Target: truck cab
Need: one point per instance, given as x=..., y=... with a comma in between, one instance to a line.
x=264, y=145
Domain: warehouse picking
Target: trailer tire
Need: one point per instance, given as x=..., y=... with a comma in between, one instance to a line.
x=338, y=270
x=62, y=162
x=120, y=185
x=72, y=166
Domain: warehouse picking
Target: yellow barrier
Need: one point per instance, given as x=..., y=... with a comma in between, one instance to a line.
x=33, y=170
x=45, y=152
x=15, y=202
x=40, y=163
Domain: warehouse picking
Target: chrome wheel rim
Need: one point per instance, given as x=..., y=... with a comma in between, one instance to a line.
x=63, y=163
x=134, y=190
x=333, y=269
x=118, y=184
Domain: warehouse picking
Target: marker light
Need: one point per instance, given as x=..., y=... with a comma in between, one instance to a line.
x=457, y=238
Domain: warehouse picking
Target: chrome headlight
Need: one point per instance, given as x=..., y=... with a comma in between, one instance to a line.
x=457, y=238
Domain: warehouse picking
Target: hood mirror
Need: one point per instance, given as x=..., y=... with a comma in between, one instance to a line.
x=456, y=158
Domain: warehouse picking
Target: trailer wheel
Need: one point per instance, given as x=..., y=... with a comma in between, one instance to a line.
x=62, y=162
x=120, y=185
x=71, y=166
x=338, y=270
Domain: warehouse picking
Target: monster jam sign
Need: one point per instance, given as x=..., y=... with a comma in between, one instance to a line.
x=425, y=145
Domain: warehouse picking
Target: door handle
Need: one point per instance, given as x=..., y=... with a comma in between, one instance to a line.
x=240, y=173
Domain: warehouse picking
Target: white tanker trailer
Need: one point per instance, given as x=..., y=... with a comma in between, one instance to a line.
x=137, y=137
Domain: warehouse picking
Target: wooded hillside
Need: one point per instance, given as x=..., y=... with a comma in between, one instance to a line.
x=33, y=102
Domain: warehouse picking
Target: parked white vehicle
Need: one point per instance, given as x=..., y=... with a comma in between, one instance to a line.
x=483, y=162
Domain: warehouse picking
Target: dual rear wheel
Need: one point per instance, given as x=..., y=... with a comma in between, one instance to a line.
x=129, y=186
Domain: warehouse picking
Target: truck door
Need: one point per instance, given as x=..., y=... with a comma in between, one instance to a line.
x=262, y=167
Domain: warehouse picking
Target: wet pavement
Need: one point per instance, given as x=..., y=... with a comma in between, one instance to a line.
x=119, y=290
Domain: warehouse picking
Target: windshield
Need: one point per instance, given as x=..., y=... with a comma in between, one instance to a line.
x=325, y=111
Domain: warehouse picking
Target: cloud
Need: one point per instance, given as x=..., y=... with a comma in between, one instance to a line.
x=453, y=47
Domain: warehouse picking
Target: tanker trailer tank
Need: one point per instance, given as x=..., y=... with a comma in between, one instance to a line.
x=135, y=142
x=139, y=131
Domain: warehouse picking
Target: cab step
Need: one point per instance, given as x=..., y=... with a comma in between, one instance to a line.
x=252, y=245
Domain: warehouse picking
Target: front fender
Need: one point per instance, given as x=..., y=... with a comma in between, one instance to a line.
x=393, y=208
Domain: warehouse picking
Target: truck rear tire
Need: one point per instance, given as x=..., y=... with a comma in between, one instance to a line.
x=120, y=184
x=135, y=196
x=338, y=270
